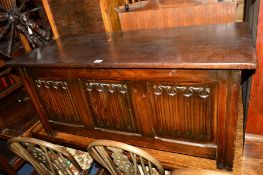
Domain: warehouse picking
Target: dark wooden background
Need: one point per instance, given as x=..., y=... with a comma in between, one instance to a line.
x=76, y=17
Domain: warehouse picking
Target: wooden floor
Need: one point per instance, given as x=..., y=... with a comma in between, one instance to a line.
x=248, y=161
x=252, y=160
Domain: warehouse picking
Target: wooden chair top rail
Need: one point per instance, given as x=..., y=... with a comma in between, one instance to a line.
x=121, y=158
x=46, y=157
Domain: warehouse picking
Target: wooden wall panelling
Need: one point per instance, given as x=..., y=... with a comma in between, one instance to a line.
x=162, y=17
x=75, y=17
x=109, y=14
x=255, y=110
x=88, y=16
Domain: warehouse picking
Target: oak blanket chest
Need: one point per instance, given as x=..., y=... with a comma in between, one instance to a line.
x=170, y=89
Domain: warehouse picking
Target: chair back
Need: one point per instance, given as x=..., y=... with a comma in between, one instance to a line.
x=46, y=157
x=119, y=158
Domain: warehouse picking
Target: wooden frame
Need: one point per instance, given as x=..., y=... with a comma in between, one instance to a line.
x=46, y=157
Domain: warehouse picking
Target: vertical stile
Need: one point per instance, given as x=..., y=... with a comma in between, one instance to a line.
x=56, y=161
x=143, y=166
x=22, y=5
x=65, y=163
x=150, y=167
x=106, y=158
x=133, y=156
x=16, y=148
x=94, y=151
x=10, y=42
x=48, y=158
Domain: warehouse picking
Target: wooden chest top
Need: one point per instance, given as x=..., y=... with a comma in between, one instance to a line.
x=223, y=46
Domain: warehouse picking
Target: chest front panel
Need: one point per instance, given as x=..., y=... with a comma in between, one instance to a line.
x=166, y=109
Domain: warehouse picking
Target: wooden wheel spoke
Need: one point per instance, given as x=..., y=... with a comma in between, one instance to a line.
x=10, y=42
x=6, y=28
x=34, y=10
x=23, y=5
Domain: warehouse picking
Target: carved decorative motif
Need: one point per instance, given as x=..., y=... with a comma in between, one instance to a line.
x=102, y=87
x=51, y=84
x=186, y=91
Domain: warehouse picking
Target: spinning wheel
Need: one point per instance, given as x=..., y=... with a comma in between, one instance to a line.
x=22, y=17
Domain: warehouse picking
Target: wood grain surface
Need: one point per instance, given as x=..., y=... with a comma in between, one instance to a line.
x=75, y=17
x=223, y=46
x=109, y=14
x=184, y=104
x=112, y=108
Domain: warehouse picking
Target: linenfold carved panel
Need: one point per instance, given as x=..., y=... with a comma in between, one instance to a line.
x=110, y=105
x=58, y=101
x=182, y=111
